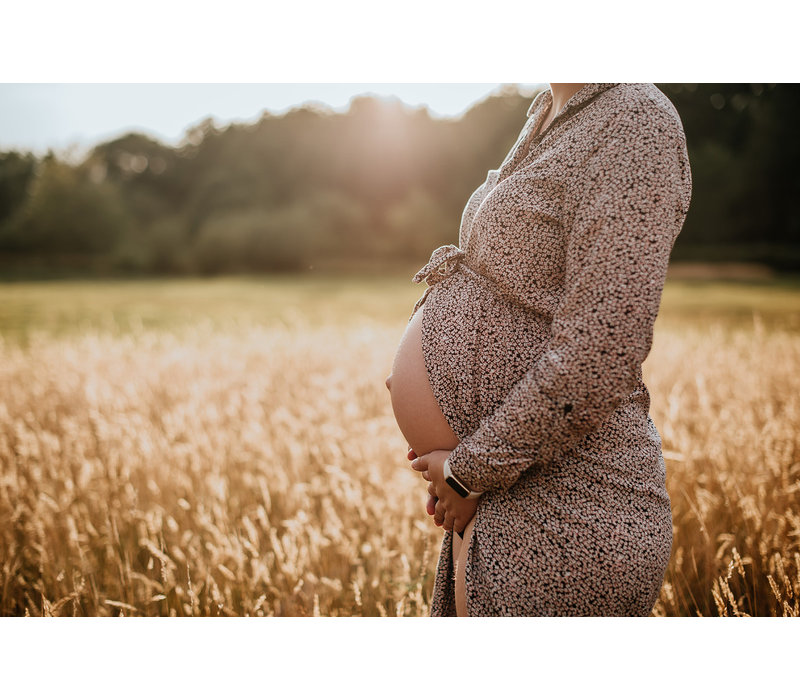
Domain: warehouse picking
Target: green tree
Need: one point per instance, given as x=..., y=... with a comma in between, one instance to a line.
x=254, y=240
x=16, y=173
x=67, y=214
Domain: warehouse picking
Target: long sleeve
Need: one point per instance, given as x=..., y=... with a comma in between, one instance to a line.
x=628, y=205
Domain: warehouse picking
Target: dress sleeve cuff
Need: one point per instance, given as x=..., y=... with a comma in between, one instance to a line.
x=483, y=461
x=465, y=468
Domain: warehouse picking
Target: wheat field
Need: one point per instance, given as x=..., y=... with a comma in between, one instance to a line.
x=228, y=448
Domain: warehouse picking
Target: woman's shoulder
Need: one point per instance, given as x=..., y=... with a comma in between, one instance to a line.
x=631, y=135
x=639, y=107
x=638, y=135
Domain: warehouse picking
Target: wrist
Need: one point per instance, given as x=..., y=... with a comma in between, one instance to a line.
x=455, y=483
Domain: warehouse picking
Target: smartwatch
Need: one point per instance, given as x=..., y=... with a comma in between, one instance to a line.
x=453, y=482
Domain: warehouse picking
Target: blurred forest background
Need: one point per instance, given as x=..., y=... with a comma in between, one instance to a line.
x=381, y=183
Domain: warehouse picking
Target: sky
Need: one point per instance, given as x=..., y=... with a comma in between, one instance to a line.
x=64, y=116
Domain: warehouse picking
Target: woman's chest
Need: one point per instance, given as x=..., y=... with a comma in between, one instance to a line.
x=515, y=233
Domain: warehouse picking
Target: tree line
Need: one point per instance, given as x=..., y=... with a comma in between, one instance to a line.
x=380, y=182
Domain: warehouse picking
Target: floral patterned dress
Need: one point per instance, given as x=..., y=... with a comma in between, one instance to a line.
x=534, y=330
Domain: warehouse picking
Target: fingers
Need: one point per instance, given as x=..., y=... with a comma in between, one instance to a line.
x=430, y=508
x=420, y=464
x=432, y=489
x=448, y=521
x=438, y=514
x=442, y=518
x=411, y=454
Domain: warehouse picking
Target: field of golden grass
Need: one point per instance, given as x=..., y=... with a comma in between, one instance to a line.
x=228, y=448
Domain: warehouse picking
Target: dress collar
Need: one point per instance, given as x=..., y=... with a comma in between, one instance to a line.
x=587, y=92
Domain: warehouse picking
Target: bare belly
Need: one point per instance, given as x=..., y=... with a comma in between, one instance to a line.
x=415, y=408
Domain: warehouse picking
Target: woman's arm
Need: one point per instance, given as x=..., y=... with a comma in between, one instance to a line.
x=630, y=203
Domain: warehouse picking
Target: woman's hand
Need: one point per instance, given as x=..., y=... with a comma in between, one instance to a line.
x=450, y=510
x=464, y=514
x=430, y=507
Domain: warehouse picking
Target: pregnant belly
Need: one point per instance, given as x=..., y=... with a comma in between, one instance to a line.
x=415, y=408
x=478, y=344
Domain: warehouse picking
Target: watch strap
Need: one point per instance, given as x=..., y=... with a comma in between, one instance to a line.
x=456, y=484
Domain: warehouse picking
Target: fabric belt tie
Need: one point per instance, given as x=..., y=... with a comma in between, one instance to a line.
x=444, y=261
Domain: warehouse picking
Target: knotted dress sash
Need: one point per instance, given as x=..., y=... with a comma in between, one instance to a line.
x=444, y=261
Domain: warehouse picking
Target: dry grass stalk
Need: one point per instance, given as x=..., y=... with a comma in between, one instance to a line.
x=259, y=471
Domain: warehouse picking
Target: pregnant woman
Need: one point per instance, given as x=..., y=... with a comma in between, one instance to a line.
x=518, y=382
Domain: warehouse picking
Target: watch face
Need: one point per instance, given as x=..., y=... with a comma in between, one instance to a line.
x=458, y=488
